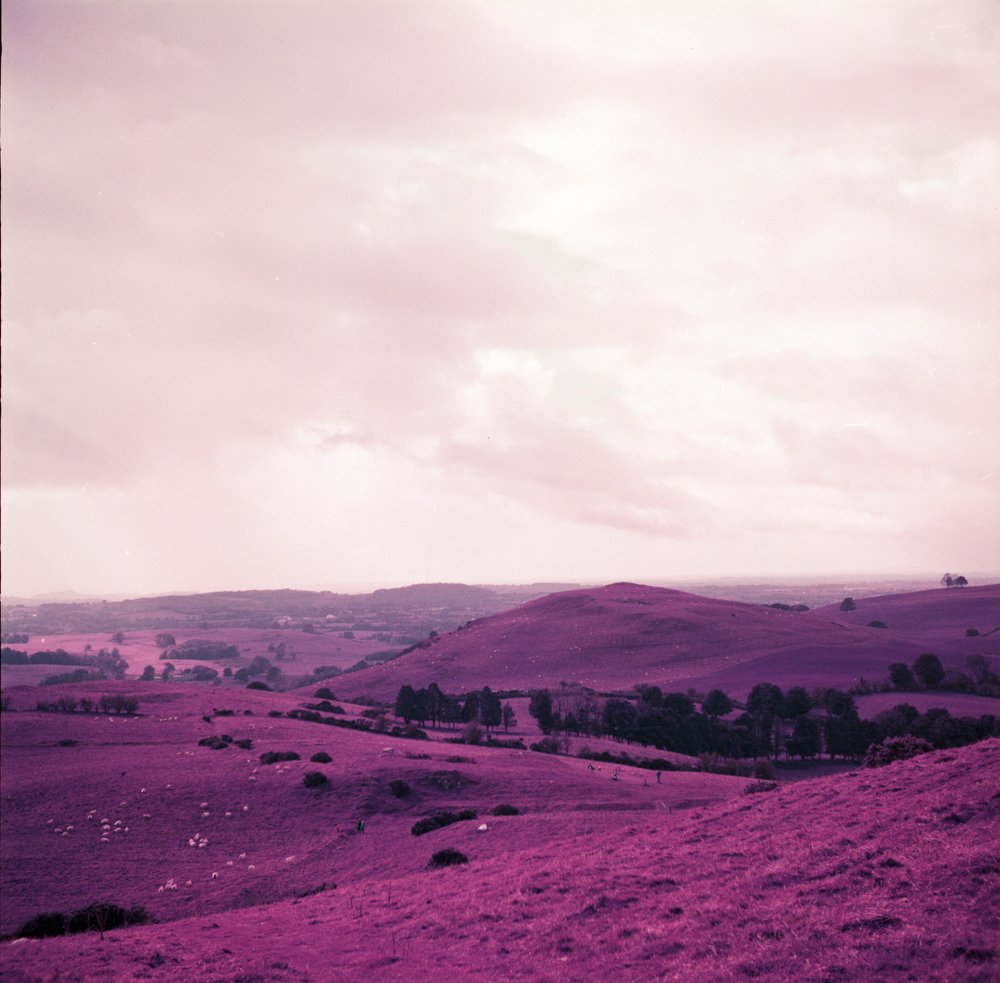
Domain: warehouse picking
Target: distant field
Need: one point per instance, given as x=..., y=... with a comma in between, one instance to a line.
x=957, y=704
x=311, y=649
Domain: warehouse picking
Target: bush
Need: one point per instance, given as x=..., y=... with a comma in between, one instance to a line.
x=439, y=820
x=321, y=758
x=324, y=693
x=896, y=749
x=877, y=624
x=216, y=742
x=763, y=769
x=245, y=743
x=315, y=779
x=399, y=788
x=448, y=858
x=68, y=742
x=971, y=632
x=755, y=787
x=547, y=745
x=275, y=713
x=257, y=684
x=273, y=757
x=506, y=810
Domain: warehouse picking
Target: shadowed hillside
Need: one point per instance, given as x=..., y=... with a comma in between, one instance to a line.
x=613, y=637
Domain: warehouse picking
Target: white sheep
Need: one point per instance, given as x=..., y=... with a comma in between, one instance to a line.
x=203, y=805
x=215, y=875
x=251, y=868
x=242, y=856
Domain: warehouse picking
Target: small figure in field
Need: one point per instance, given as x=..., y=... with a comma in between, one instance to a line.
x=361, y=825
x=658, y=778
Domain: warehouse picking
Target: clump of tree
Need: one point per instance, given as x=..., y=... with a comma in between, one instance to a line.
x=431, y=705
x=779, y=606
x=951, y=580
x=928, y=673
x=203, y=650
x=896, y=749
x=315, y=779
x=848, y=604
x=110, y=703
x=100, y=917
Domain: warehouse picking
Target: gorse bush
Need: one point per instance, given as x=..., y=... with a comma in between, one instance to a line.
x=273, y=757
x=315, y=779
x=448, y=858
x=321, y=758
x=506, y=810
x=439, y=820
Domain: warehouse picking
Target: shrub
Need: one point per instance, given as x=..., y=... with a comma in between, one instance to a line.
x=877, y=624
x=272, y=757
x=275, y=713
x=506, y=810
x=257, y=684
x=324, y=693
x=321, y=758
x=216, y=742
x=399, y=788
x=68, y=742
x=971, y=632
x=763, y=769
x=439, y=820
x=755, y=787
x=547, y=745
x=314, y=779
x=472, y=733
x=896, y=749
x=245, y=743
x=448, y=858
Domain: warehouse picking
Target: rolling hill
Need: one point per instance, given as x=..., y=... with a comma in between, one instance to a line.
x=887, y=874
x=613, y=637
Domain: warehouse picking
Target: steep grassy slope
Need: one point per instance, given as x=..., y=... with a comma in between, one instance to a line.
x=877, y=875
x=613, y=637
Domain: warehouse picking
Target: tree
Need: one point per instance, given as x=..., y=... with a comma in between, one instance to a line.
x=540, y=708
x=717, y=704
x=406, y=703
x=928, y=670
x=901, y=677
x=470, y=708
x=490, y=711
x=164, y=640
x=509, y=717
x=168, y=671
x=960, y=581
x=148, y=674
x=804, y=741
x=847, y=604
x=118, y=637
x=765, y=705
x=797, y=703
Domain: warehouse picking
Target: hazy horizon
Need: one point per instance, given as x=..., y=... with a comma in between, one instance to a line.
x=490, y=291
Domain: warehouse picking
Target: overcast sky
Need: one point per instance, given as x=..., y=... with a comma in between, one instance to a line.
x=340, y=293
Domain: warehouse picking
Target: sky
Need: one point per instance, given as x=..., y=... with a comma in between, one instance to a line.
x=332, y=294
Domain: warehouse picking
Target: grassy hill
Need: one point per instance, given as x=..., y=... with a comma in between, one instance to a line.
x=885, y=874
x=613, y=637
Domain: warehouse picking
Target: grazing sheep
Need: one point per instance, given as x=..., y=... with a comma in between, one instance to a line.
x=215, y=875
x=105, y=839
x=187, y=883
x=251, y=868
x=242, y=856
x=482, y=828
x=203, y=805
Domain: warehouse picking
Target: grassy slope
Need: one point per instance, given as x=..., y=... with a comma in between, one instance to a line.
x=613, y=637
x=888, y=874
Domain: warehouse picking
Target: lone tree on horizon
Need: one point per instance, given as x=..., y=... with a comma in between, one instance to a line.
x=949, y=581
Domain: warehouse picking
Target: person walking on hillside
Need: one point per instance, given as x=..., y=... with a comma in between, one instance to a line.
x=361, y=825
x=658, y=778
